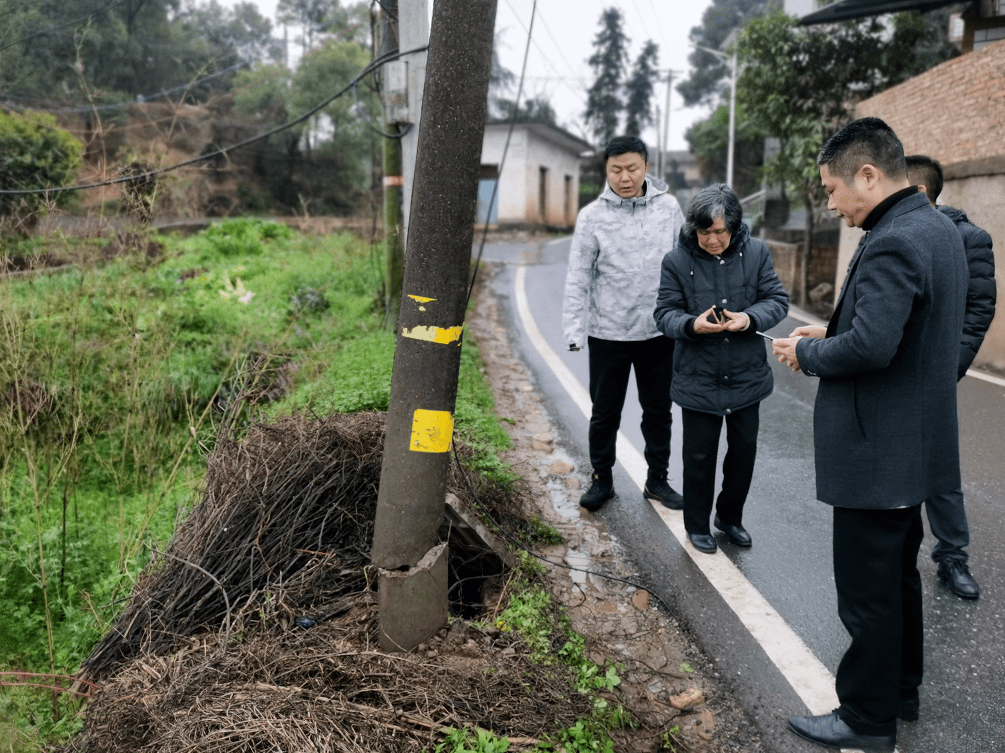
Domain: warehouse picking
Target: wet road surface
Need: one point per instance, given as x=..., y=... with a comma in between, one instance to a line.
x=963, y=695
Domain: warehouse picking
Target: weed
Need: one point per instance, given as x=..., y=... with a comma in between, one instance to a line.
x=542, y=533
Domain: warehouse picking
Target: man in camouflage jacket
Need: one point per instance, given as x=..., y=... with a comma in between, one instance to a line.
x=610, y=293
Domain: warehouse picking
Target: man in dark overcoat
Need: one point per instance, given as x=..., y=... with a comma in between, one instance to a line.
x=885, y=426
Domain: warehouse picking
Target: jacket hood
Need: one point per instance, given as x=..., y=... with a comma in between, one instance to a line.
x=956, y=215
x=690, y=244
x=654, y=187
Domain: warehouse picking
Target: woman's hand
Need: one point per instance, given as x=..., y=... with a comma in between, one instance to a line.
x=734, y=321
x=702, y=326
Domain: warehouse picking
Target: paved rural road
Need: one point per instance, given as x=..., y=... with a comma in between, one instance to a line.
x=767, y=615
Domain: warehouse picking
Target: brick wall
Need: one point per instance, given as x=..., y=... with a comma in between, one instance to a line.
x=823, y=262
x=955, y=113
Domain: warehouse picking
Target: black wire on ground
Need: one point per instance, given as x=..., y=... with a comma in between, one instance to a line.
x=516, y=542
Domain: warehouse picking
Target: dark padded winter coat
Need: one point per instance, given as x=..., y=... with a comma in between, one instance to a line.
x=981, y=289
x=723, y=372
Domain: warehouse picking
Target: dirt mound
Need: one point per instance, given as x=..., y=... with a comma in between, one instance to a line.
x=257, y=628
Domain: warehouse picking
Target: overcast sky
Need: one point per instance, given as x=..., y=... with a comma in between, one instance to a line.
x=563, y=35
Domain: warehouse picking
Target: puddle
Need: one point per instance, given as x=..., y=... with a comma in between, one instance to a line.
x=565, y=508
x=577, y=559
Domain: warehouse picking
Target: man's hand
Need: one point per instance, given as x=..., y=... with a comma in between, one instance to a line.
x=785, y=349
x=702, y=326
x=809, y=331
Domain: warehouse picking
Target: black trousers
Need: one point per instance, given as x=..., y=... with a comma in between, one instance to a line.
x=879, y=602
x=700, y=453
x=611, y=361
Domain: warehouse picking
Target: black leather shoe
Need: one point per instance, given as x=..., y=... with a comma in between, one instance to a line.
x=658, y=490
x=703, y=542
x=830, y=731
x=908, y=710
x=601, y=490
x=957, y=578
x=737, y=534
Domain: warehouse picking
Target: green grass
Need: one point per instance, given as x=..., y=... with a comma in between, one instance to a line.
x=114, y=377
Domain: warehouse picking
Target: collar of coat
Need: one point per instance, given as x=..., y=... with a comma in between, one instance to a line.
x=653, y=187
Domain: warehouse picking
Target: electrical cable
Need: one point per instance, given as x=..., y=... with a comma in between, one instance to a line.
x=372, y=66
x=360, y=111
x=515, y=541
x=75, y=21
x=502, y=160
x=119, y=105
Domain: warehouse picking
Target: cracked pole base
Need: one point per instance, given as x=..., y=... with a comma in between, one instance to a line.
x=413, y=602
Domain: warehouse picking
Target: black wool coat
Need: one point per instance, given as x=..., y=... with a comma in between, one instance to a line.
x=885, y=427
x=723, y=372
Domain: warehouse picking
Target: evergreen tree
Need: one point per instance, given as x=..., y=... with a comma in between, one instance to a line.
x=603, y=102
x=639, y=89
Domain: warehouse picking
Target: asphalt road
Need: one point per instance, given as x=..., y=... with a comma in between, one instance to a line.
x=785, y=664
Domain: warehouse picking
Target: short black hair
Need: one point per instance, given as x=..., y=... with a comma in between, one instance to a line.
x=864, y=141
x=710, y=203
x=623, y=144
x=927, y=172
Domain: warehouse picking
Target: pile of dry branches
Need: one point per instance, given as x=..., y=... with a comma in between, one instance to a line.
x=256, y=630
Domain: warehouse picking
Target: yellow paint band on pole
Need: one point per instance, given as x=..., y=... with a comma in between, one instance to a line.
x=440, y=335
x=431, y=431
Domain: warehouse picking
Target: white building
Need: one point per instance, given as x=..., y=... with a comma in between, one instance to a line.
x=539, y=183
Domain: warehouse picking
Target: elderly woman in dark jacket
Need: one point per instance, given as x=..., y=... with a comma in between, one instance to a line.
x=717, y=288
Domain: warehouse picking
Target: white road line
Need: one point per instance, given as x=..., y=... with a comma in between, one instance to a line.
x=805, y=673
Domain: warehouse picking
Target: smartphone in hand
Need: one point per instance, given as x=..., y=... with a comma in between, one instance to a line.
x=764, y=335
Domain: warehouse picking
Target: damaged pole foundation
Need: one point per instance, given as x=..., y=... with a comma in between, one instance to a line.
x=413, y=602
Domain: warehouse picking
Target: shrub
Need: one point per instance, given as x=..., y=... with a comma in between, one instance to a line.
x=34, y=154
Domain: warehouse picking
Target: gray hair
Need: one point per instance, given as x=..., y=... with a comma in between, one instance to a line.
x=717, y=200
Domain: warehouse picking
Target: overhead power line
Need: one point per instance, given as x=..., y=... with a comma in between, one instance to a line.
x=74, y=22
x=120, y=105
x=372, y=66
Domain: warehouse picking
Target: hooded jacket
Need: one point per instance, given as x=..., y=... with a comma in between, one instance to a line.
x=981, y=289
x=614, y=264
x=726, y=371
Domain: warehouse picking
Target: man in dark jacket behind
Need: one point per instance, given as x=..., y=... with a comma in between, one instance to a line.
x=885, y=428
x=946, y=514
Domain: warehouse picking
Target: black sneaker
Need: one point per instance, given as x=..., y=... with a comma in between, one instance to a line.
x=956, y=576
x=658, y=490
x=601, y=490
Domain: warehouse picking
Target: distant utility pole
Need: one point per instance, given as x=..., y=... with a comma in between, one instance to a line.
x=395, y=111
x=410, y=501
x=665, y=142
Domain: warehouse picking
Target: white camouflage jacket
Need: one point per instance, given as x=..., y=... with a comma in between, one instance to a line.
x=614, y=264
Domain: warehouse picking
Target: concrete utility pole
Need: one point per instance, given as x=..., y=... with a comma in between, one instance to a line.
x=410, y=501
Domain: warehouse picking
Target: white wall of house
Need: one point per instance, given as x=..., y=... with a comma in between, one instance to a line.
x=539, y=184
